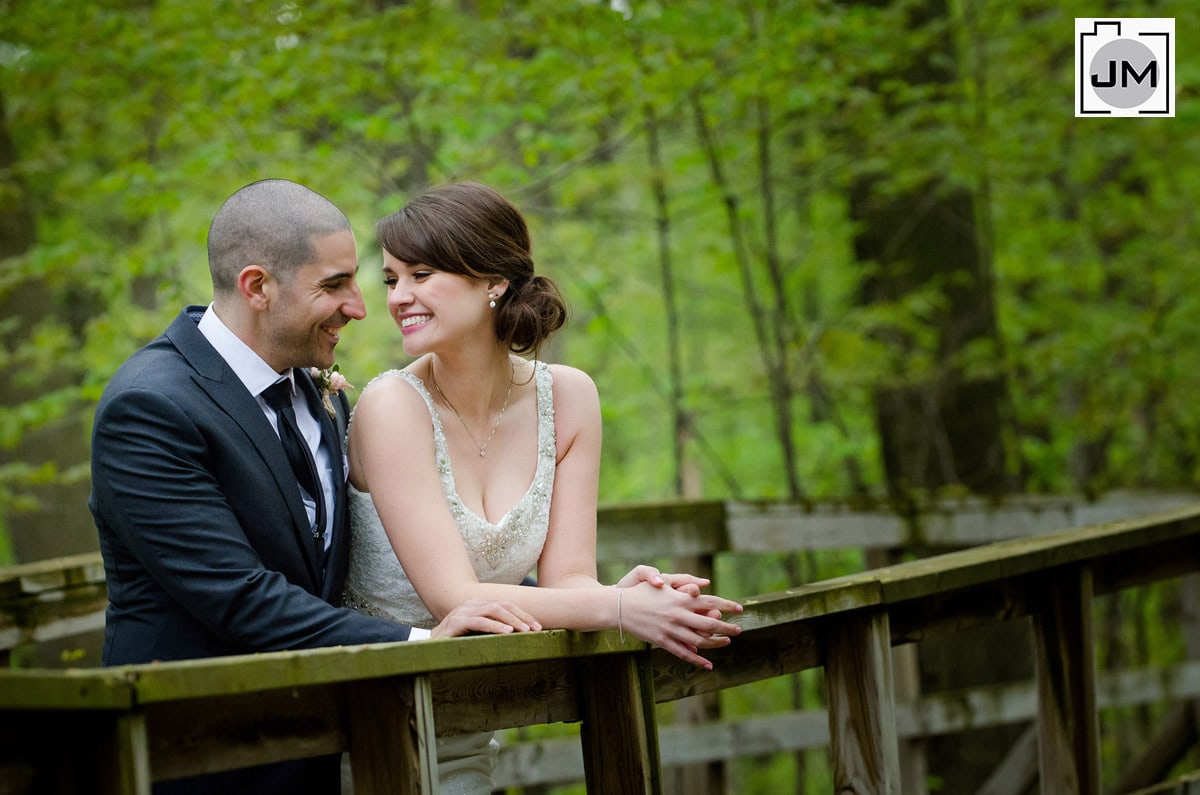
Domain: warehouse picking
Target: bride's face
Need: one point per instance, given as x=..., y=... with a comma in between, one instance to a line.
x=435, y=308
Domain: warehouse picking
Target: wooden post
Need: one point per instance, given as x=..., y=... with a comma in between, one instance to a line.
x=914, y=766
x=1189, y=599
x=862, y=707
x=906, y=676
x=703, y=778
x=1068, y=728
x=131, y=758
x=619, y=732
x=393, y=747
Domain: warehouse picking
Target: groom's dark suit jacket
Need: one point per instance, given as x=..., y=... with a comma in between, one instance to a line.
x=206, y=545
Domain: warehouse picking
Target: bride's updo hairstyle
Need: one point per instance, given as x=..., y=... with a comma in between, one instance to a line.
x=470, y=229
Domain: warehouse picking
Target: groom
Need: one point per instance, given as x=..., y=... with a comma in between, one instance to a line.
x=214, y=542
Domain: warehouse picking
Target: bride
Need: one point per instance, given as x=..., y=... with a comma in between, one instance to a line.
x=475, y=465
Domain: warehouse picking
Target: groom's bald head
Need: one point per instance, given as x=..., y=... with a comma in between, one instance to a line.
x=271, y=223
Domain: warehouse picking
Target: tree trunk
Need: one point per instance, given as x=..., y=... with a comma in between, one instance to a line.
x=43, y=513
x=944, y=429
x=941, y=425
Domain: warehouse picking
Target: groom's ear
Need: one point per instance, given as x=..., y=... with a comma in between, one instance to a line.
x=253, y=284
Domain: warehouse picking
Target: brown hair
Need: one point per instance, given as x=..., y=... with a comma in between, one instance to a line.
x=470, y=229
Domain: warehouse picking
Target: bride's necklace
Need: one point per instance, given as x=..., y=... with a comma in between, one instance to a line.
x=467, y=428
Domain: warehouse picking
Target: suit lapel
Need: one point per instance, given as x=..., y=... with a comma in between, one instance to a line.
x=216, y=379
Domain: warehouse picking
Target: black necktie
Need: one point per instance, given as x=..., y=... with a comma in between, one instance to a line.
x=279, y=398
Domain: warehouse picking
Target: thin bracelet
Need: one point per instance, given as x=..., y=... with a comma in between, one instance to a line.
x=620, y=628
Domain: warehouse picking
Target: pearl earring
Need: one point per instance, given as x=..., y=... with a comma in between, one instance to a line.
x=492, y=300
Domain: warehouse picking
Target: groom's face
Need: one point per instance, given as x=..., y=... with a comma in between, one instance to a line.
x=311, y=308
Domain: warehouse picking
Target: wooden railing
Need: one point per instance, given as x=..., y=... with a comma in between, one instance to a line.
x=125, y=727
x=65, y=597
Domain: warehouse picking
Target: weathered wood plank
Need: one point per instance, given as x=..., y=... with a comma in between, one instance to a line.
x=555, y=761
x=1013, y=559
x=1147, y=564
x=57, y=612
x=813, y=600
x=125, y=758
x=1068, y=727
x=187, y=679
x=762, y=653
x=914, y=765
x=700, y=779
x=780, y=526
x=619, y=734
x=50, y=575
x=215, y=733
x=392, y=748
x=51, y=599
x=195, y=734
x=526, y=694
x=784, y=527
x=645, y=531
x=783, y=633
x=864, y=746
x=75, y=690
x=935, y=714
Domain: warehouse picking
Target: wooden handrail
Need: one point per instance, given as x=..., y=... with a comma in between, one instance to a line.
x=135, y=724
x=63, y=597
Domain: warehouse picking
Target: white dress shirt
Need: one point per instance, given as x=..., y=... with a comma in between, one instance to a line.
x=256, y=375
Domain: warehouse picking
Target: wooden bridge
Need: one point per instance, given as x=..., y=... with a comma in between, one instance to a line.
x=117, y=730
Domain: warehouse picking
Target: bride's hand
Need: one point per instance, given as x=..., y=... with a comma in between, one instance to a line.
x=677, y=621
x=688, y=583
x=490, y=616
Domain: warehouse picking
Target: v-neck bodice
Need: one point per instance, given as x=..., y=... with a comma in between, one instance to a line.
x=504, y=551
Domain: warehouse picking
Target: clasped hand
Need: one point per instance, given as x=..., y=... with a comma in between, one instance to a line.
x=671, y=612
x=667, y=610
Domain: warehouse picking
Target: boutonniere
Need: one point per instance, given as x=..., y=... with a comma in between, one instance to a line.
x=328, y=382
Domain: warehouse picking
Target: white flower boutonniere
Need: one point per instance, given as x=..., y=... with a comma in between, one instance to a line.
x=328, y=382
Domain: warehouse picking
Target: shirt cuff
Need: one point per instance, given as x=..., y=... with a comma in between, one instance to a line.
x=418, y=633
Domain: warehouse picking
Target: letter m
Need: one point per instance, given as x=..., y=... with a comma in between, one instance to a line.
x=1128, y=71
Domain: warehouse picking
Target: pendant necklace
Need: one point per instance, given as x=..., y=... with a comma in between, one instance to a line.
x=507, y=395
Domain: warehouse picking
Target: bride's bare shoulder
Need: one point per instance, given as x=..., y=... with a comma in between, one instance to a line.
x=391, y=394
x=571, y=380
x=576, y=399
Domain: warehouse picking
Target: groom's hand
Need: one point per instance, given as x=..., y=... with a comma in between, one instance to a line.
x=489, y=616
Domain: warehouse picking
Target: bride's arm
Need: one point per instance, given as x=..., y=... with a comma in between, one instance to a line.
x=665, y=609
x=391, y=454
x=568, y=558
x=392, y=457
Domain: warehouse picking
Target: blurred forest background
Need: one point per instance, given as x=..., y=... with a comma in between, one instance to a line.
x=812, y=249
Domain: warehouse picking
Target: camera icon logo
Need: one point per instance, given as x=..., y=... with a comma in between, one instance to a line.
x=1124, y=67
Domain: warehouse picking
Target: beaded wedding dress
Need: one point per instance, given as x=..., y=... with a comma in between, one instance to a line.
x=503, y=552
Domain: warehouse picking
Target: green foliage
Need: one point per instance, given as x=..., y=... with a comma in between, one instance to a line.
x=132, y=122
